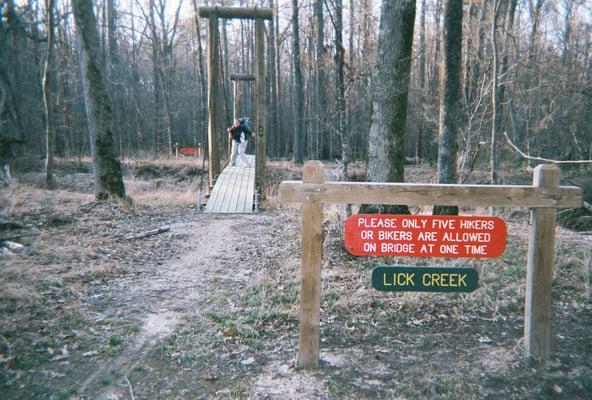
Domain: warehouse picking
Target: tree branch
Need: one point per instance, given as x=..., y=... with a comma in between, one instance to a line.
x=526, y=156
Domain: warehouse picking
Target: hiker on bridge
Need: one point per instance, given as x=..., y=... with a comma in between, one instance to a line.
x=240, y=133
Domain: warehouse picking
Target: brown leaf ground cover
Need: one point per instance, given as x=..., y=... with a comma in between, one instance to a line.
x=208, y=309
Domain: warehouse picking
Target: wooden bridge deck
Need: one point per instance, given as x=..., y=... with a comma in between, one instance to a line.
x=234, y=190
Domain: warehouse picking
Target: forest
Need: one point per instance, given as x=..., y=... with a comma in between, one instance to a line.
x=523, y=72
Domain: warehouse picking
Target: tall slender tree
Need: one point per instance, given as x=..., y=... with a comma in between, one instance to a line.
x=108, y=175
x=320, y=94
x=450, y=71
x=340, y=89
x=298, y=92
x=273, y=122
x=495, y=92
x=390, y=88
x=48, y=98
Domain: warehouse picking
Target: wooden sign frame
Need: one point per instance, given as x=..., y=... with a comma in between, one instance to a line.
x=543, y=197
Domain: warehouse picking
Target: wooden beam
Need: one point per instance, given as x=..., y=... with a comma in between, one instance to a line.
x=310, y=290
x=235, y=111
x=213, y=101
x=539, y=272
x=235, y=99
x=236, y=12
x=261, y=130
x=431, y=194
x=242, y=77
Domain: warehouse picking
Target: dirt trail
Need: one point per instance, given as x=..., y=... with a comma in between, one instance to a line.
x=174, y=290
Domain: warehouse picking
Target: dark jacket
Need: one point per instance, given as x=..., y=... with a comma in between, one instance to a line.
x=242, y=128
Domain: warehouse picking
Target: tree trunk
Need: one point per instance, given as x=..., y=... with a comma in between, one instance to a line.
x=437, y=46
x=422, y=81
x=386, y=142
x=273, y=126
x=156, y=82
x=114, y=73
x=48, y=98
x=532, y=77
x=108, y=176
x=495, y=105
x=298, y=94
x=450, y=71
x=340, y=89
x=568, y=7
x=203, y=109
x=320, y=94
x=476, y=72
x=509, y=25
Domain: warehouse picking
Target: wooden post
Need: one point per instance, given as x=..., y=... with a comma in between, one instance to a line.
x=589, y=277
x=235, y=98
x=310, y=289
x=213, y=100
x=235, y=110
x=539, y=275
x=260, y=133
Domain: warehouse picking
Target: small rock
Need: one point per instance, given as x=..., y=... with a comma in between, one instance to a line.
x=208, y=376
x=230, y=332
x=248, y=361
x=485, y=340
x=15, y=247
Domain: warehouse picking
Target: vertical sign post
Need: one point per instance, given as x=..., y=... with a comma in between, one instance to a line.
x=310, y=290
x=539, y=272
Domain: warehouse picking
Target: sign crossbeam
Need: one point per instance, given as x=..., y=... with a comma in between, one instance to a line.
x=430, y=194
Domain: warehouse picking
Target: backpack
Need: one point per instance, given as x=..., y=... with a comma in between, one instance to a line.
x=244, y=124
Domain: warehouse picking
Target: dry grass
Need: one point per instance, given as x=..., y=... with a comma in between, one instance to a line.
x=165, y=194
x=167, y=162
x=19, y=199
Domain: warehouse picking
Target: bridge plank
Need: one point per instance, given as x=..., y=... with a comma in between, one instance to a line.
x=234, y=190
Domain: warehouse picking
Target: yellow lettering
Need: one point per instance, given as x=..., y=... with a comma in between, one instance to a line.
x=426, y=282
x=409, y=281
x=384, y=282
x=401, y=279
x=454, y=280
x=461, y=280
x=435, y=280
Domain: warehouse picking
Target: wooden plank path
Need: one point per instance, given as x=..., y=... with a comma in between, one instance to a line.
x=234, y=190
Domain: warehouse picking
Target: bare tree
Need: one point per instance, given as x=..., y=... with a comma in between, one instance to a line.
x=390, y=86
x=48, y=99
x=340, y=89
x=495, y=92
x=320, y=94
x=450, y=71
x=273, y=120
x=108, y=176
x=298, y=92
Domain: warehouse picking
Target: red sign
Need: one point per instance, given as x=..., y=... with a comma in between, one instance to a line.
x=188, y=150
x=425, y=236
